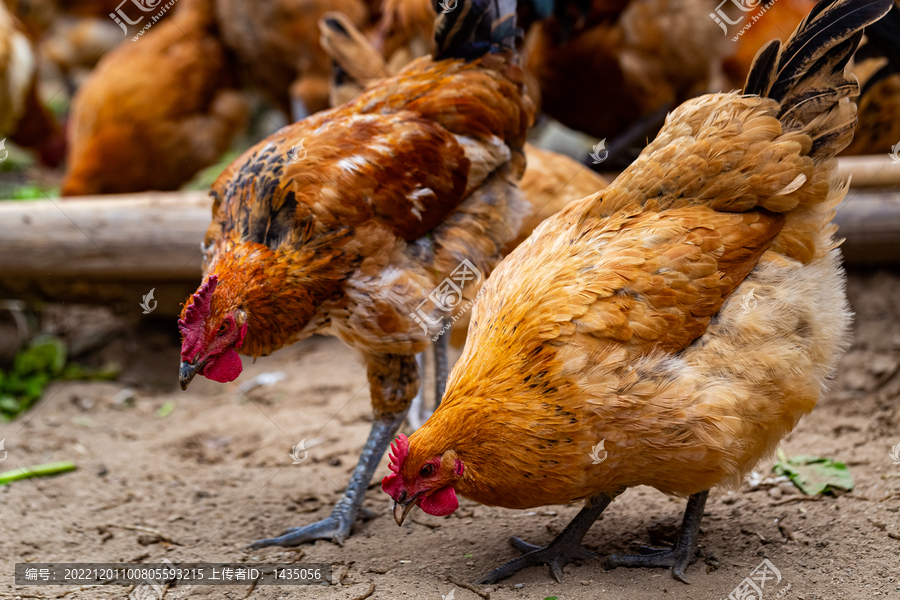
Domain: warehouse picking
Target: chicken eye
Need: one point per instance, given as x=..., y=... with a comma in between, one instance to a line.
x=223, y=329
x=427, y=471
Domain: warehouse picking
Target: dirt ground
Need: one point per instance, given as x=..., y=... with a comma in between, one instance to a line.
x=215, y=474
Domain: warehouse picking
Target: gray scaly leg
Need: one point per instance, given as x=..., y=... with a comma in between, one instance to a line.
x=677, y=557
x=565, y=548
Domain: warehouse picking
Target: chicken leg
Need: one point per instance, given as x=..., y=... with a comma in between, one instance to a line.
x=393, y=380
x=565, y=548
x=677, y=557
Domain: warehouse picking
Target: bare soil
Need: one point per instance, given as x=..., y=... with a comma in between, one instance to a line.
x=215, y=474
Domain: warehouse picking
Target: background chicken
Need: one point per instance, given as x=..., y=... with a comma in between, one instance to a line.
x=23, y=118
x=614, y=348
x=276, y=43
x=627, y=63
x=412, y=183
x=156, y=111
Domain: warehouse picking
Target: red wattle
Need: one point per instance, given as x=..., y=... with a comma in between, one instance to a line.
x=223, y=368
x=441, y=503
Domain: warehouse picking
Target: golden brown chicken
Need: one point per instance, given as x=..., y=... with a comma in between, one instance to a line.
x=668, y=331
x=365, y=222
x=23, y=117
x=277, y=47
x=155, y=111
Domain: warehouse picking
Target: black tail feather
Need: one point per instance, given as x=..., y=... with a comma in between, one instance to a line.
x=828, y=25
x=472, y=28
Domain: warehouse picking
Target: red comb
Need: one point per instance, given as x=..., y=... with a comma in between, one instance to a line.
x=199, y=308
x=400, y=451
x=195, y=313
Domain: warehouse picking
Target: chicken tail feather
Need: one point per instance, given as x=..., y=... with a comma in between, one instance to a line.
x=472, y=28
x=806, y=75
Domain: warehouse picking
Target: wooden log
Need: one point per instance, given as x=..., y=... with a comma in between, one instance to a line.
x=870, y=171
x=134, y=236
x=106, y=250
x=869, y=222
x=113, y=250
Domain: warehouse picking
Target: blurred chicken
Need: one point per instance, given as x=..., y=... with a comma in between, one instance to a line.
x=23, y=117
x=75, y=43
x=344, y=223
x=156, y=111
x=629, y=61
x=277, y=46
x=669, y=331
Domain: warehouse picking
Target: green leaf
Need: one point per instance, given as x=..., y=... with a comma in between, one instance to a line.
x=468, y=555
x=813, y=474
x=45, y=354
x=166, y=409
x=36, y=471
x=8, y=404
x=551, y=598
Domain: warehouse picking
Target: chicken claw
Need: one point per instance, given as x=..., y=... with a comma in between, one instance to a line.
x=678, y=557
x=565, y=548
x=335, y=528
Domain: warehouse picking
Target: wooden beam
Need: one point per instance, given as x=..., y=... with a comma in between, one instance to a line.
x=870, y=170
x=117, y=237
x=112, y=250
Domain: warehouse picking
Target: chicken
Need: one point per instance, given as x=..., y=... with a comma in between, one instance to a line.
x=629, y=61
x=155, y=111
x=550, y=181
x=276, y=43
x=668, y=331
x=23, y=117
x=76, y=43
x=346, y=222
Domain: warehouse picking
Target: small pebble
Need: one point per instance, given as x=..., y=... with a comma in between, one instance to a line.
x=584, y=582
x=519, y=586
x=775, y=493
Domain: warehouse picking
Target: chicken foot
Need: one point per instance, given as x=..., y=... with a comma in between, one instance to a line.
x=677, y=557
x=565, y=547
x=393, y=380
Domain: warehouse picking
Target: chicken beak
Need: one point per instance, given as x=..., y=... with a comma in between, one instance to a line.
x=187, y=371
x=401, y=509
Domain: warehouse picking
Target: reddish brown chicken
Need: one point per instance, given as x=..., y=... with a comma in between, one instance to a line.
x=550, y=181
x=668, y=331
x=344, y=224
